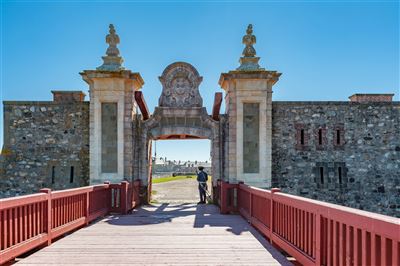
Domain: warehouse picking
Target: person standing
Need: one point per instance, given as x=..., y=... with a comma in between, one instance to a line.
x=202, y=178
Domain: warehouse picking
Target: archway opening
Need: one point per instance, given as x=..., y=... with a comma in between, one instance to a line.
x=175, y=160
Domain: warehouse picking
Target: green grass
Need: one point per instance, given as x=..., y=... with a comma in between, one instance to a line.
x=171, y=178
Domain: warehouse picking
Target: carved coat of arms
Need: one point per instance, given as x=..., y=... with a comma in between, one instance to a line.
x=180, y=86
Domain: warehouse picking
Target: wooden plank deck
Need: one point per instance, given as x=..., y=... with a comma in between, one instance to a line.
x=163, y=234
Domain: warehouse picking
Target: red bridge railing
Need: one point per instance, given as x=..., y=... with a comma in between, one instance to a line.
x=31, y=221
x=315, y=232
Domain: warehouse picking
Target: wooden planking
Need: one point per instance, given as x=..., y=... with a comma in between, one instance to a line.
x=164, y=234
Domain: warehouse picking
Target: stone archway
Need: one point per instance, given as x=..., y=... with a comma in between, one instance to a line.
x=179, y=115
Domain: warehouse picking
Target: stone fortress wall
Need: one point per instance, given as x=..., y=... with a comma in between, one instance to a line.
x=359, y=169
x=341, y=152
x=44, y=140
x=46, y=144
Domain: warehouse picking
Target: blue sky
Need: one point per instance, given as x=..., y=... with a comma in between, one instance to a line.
x=325, y=50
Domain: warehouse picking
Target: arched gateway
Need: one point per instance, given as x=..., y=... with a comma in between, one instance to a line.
x=179, y=115
x=120, y=138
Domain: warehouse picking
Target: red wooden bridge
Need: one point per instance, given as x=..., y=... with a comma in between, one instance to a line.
x=312, y=232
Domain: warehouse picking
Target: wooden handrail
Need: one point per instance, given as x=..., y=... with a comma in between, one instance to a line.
x=27, y=222
x=315, y=232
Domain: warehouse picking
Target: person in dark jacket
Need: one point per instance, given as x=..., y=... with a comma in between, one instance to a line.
x=202, y=178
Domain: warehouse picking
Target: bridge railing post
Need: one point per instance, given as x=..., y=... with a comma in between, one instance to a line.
x=223, y=197
x=272, y=216
x=250, y=205
x=124, y=197
x=48, y=220
x=87, y=210
x=108, y=196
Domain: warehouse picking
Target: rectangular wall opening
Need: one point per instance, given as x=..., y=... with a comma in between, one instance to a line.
x=320, y=136
x=302, y=136
x=338, y=136
x=53, y=174
x=71, y=175
x=321, y=175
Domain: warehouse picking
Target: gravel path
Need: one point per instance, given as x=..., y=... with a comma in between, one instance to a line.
x=178, y=191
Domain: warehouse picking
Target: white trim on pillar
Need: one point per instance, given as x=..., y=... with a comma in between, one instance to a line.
x=99, y=97
x=252, y=178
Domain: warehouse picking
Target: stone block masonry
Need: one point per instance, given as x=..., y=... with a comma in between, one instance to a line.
x=46, y=144
x=355, y=162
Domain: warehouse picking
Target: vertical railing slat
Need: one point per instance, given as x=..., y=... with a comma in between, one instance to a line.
x=395, y=253
x=373, y=249
x=5, y=225
x=306, y=233
x=342, y=247
x=1, y=229
x=19, y=215
x=329, y=240
x=318, y=238
x=25, y=220
x=349, y=244
x=383, y=251
x=290, y=224
x=356, y=242
x=87, y=213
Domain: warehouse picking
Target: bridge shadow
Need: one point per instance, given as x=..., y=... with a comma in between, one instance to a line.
x=206, y=215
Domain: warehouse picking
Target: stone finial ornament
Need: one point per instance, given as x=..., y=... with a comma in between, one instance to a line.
x=112, y=60
x=249, y=39
x=249, y=61
x=112, y=39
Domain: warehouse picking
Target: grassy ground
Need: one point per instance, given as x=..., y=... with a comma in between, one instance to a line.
x=171, y=178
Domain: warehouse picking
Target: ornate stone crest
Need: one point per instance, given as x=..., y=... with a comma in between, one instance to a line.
x=180, y=86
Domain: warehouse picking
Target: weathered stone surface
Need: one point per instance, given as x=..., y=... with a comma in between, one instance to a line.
x=109, y=138
x=368, y=156
x=112, y=87
x=251, y=137
x=249, y=61
x=180, y=82
x=39, y=136
x=112, y=60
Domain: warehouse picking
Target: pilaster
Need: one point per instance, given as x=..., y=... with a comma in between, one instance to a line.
x=112, y=87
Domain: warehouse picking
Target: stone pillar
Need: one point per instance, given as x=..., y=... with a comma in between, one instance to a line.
x=249, y=110
x=112, y=108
